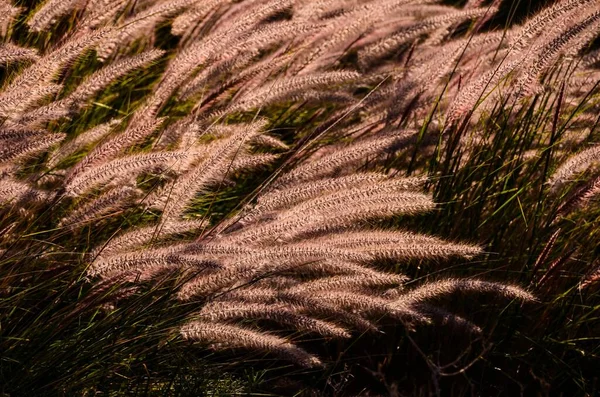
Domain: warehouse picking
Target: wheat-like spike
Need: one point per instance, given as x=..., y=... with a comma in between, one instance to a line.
x=29, y=147
x=544, y=19
x=181, y=68
x=73, y=48
x=246, y=70
x=100, y=12
x=289, y=87
x=188, y=19
x=14, y=106
x=142, y=236
x=343, y=157
x=229, y=279
x=110, y=74
x=35, y=81
x=50, y=12
x=424, y=251
x=10, y=53
x=13, y=191
x=215, y=72
x=287, y=197
x=82, y=140
x=398, y=245
x=344, y=30
x=218, y=247
x=188, y=138
x=139, y=24
x=270, y=142
x=295, y=194
x=361, y=252
x=439, y=34
x=590, y=279
x=126, y=166
x=356, y=195
x=89, y=87
x=247, y=47
x=464, y=49
x=107, y=203
x=553, y=267
x=374, y=32
x=580, y=85
x=579, y=199
x=468, y=98
x=389, y=44
x=591, y=192
x=206, y=284
x=329, y=267
x=545, y=252
x=378, y=206
x=109, y=266
x=301, y=253
x=575, y=37
x=305, y=304
x=367, y=305
x=215, y=166
x=112, y=147
x=333, y=97
x=582, y=40
x=284, y=314
x=40, y=116
x=350, y=283
x=320, y=9
x=349, y=239
x=184, y=265
x=265, y=36
x=324, y=213
x=226, y=131
x=240, y=272
x=441, y=288
x=254, y=75
x=276, y=281
x=7, y=13
x=288, y=255
x=445, y=318
x=573, y=166
x=411, y=16
x=248, y=162
x=20, y=134
x=174, y=134
x=220, y=336
x=250, y=15
x=318, y=307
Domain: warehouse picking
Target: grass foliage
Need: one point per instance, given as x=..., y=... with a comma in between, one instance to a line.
x=245, y=203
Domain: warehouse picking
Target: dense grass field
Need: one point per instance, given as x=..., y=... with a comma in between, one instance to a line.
x=299, y=197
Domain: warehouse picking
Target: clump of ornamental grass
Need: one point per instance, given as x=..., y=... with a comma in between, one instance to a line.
x=237, y=190
x=526, y=189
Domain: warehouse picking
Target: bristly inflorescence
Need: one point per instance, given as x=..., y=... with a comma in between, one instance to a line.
x=303, y=250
